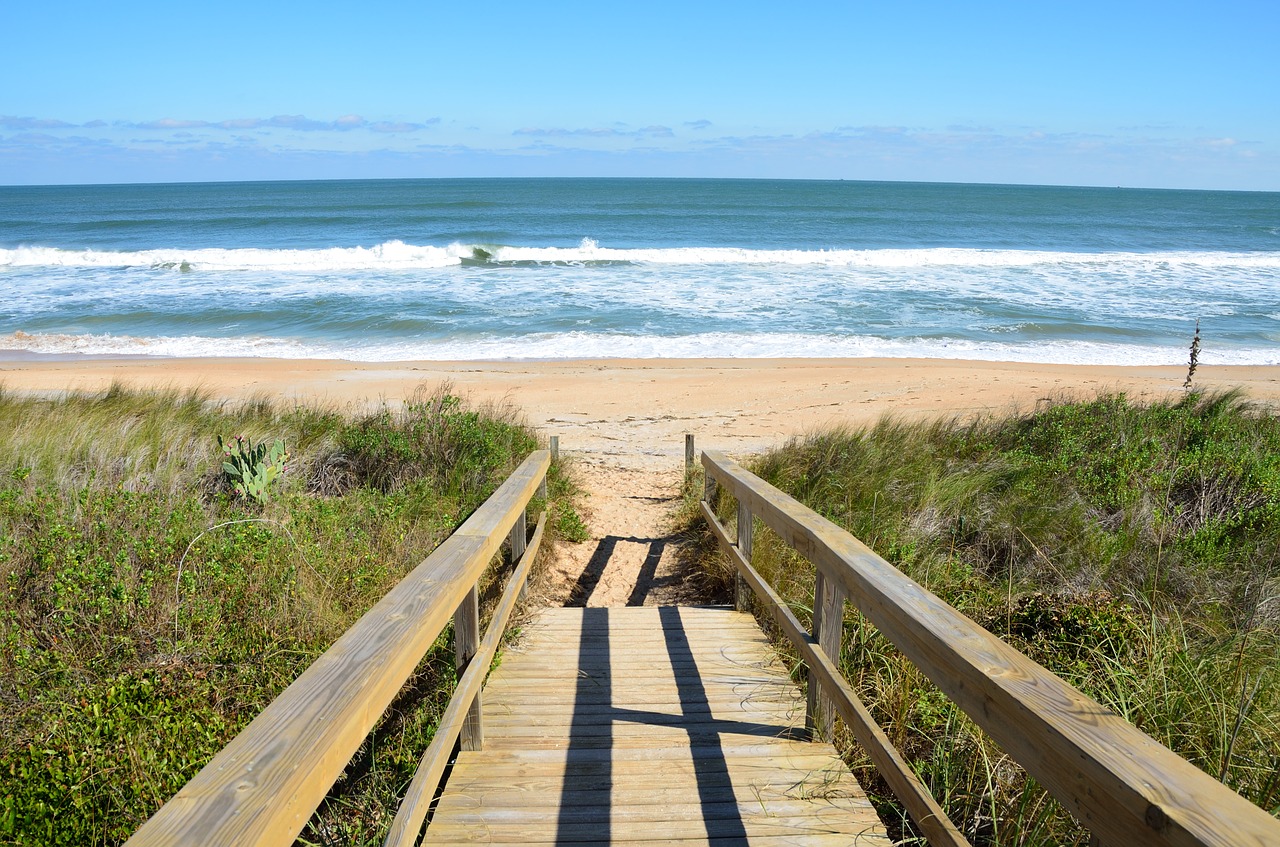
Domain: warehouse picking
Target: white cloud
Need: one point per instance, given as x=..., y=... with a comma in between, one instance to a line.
x=14, y=122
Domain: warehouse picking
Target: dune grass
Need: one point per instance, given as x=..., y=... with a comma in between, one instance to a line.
x=1132, y=549
x=149, y=613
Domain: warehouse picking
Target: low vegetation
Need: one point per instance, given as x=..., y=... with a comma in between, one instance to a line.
x=1132, y=549
x=155, y=599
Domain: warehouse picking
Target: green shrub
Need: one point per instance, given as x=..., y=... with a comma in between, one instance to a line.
x=569, y=524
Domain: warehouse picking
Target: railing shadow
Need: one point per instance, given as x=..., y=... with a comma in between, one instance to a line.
x=646, y=580
x=590, y=756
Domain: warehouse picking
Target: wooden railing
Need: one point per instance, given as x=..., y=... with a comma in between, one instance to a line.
x=1118, y=782
x=263, y=787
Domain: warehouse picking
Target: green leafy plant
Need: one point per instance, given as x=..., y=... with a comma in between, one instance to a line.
x=569, y=524
x=252, y=468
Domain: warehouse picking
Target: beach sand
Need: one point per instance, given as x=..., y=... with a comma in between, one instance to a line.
x=623, y=422
x=637, y=411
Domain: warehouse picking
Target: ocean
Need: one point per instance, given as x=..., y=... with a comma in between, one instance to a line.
x=475, y=269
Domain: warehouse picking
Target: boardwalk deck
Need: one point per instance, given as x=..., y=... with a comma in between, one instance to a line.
x=648, y=725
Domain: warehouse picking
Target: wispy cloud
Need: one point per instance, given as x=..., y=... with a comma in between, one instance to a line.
x=34, y=149
x=15, y=122
x=297, y=123
x=596, y=132
x=401, y=126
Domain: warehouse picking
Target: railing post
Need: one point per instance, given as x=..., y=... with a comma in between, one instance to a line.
x=466, y=640
x=828, y=630
x=518, y=542
x=688, y=452
x=555, y=449
x=518, y=538
x=742, y=591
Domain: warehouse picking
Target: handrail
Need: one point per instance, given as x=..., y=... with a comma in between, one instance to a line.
x=417, y=799
x=1117, y=781
x=263, y=787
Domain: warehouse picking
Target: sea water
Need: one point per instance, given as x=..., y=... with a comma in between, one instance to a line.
x=586, y=268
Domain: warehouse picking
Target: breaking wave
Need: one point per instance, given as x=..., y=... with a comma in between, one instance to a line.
x=397, y=255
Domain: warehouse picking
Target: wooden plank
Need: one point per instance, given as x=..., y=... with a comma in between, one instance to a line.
x=673, y=744
x=778, y=701
x=705, y=611
x=263, y=787
x=709, y=645
x=808, y=756
x=809, y=827
x=560, y=720
x=643, y=676
x=750, y=748
x=553, y=695
x=654, y=804
x=574, y=790
x=606, y=806
x=657, y=659
x=553, y=691
x=1117, y=781
x=679, y=733
x=868, y=839
x=642, y=627
x=621, y=752
x=823, y=778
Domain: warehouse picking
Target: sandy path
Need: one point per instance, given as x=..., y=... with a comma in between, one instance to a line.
x=633, y=557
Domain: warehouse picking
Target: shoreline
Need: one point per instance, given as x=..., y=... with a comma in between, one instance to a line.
x=637, y=410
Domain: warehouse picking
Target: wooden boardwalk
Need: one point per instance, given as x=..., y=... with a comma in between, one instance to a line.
x=648, y=725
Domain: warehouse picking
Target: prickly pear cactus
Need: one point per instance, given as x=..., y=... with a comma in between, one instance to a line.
x=251, y=468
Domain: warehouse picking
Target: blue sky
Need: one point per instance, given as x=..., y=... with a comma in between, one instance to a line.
x=1152, y=94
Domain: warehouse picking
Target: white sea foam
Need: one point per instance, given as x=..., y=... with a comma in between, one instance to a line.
x=390, y=255
x=586, y=345
x=397, y=255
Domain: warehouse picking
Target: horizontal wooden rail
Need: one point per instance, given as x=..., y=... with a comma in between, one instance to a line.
x=263, y=787
x=921, y=805
x=1118, y=782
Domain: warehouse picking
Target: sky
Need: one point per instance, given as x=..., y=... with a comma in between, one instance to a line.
x=1152, y=94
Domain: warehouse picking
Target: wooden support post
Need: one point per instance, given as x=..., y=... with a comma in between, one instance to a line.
x=688, y=452
x=828, y=630
x=518, y=538
x=555, y=457
x=518, y=541
x=742, y=591
x=466, y=640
